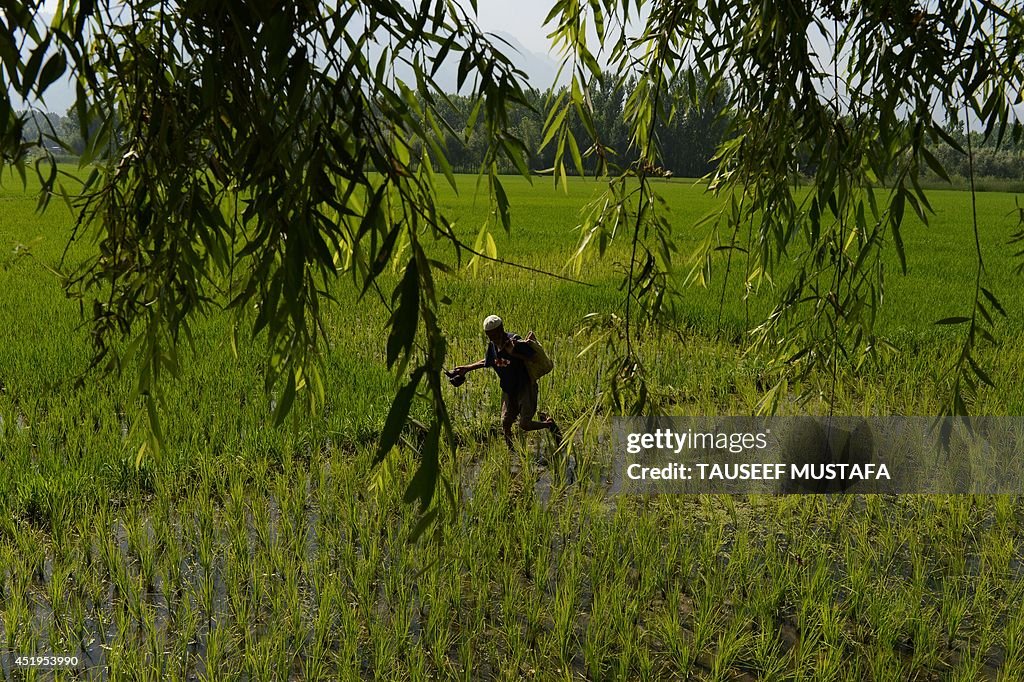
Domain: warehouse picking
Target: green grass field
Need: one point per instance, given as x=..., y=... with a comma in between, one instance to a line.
x=244, y=551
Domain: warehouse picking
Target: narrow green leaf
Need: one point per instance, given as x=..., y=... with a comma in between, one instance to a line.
x=52, y=70
x=154, y=422
x=31, y=70
x=503, y=205
x=946, y=432
x=950, y=140
x=554, y=123
x=397, y=416
x=959, y=406
x=934, y=164
x=422, y=525
x=381, y=258
x=575, y=151
x=994, y=301
x=424, y=482
x=979, y=372
x=442, y=54
x=984, y=333
x=895, y=220
x=406, y=316
x=284, y=405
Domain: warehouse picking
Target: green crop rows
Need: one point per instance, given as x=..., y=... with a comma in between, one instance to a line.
x=244, y=551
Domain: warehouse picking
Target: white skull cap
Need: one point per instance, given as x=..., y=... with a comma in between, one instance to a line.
x=491, y=323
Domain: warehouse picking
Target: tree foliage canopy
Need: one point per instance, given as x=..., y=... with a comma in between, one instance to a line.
x=177, y=100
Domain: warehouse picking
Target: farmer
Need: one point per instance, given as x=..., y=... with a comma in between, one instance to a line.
x=506, y=354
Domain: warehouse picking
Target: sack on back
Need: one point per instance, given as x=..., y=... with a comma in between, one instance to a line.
x=540, y=364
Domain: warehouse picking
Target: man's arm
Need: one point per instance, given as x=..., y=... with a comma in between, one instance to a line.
x=465, y=369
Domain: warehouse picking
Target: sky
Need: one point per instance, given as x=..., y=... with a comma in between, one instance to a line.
x=520, y=20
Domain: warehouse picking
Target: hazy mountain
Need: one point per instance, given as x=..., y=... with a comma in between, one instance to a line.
x=539, y=68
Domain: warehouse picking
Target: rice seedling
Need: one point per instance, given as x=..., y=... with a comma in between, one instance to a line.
x=1013, y=645
x=731, y=643
x=767, y=658
x=598, y=640
x=669, y=628
x=323, y=631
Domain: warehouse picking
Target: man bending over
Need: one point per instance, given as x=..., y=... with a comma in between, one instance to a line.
x=506, y=354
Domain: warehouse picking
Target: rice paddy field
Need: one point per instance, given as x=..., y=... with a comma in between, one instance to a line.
x=244, y=551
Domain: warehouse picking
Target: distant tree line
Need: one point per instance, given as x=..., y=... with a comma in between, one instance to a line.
x=991, y=157
x=61, y=134
x=688, y=133
x=688, y=141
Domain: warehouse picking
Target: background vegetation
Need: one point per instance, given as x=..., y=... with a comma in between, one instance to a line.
x=689, y=135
